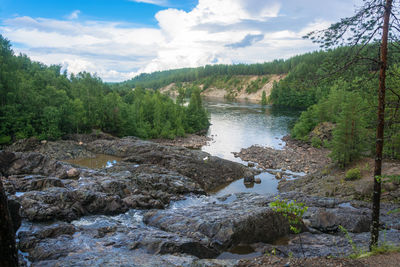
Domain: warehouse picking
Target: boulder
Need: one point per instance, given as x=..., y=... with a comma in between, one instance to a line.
x=248, y=180
x=329, y=221
x=14, y=207
x=73, y=173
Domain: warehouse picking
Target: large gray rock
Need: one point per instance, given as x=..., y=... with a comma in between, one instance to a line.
x=328, y=221
x=201, y=167
x=99, y=239
x=111, y=191
x=248, y=219
x=35, y=163
x=59, y=150
x=327, y=214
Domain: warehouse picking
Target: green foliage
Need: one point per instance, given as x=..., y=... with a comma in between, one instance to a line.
x=292, y=210
x=256, y=85
x=5, y=140
x=264, y=98
x=353, y=174
x=349, y=137
x=197, y=116
x=316, y=142
x=358, y=252
x=37, y=100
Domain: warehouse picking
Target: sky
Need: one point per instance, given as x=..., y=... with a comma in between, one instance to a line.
x=118, y=39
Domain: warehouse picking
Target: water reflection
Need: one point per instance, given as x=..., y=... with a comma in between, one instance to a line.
x=268, y=185
x=236, y=125
x=98, y=162
x=240, y=252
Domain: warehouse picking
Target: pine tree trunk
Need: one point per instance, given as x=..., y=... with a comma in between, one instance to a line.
x=379, y=132
x=8, y=251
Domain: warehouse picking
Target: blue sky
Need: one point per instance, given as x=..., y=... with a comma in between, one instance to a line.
x=118, y=39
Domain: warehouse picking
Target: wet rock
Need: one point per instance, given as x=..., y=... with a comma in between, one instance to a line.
x=35, y=163
x=96, y=237
x=160, y=242
x=6, y=158
x=190, y=163
x=295, y=156
x=278, y=175
x=33, y=182
x=73, y=173
x=14, y=207
x=248, y=180
x=58, y=150
x=248, y=219
x=329, y=221
x=65, y=204
x=324, y=245
x=28, y=239
x=257, y=180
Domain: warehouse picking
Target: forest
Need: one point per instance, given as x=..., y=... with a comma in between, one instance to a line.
x=38, y=100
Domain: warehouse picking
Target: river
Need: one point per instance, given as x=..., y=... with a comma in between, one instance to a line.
x=237, y=125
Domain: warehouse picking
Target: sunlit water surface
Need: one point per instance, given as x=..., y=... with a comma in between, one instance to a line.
x=237, y=125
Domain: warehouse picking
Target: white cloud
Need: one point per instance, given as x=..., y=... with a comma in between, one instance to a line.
x=215, y=31
x=74, y=14
x=154, y=2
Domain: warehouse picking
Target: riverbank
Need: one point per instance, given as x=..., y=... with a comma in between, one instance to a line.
x=322, y=177
x=295, y=156
x=192, y=141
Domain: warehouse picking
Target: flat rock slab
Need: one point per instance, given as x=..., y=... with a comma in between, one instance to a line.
x=201, y=167
x=121, y=240
x=247, y=219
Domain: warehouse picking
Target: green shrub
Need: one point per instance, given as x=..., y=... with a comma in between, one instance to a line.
x=353, y=174
x=5, y=139
x=316, y=142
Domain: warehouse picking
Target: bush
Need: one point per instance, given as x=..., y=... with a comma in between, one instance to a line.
x=316, y=142
x=353, y=174
x=5, y=139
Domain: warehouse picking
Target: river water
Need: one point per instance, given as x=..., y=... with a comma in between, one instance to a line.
x=236, y=125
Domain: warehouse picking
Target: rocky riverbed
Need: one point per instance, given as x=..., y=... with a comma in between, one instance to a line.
x=152, y=208
x=296, y=156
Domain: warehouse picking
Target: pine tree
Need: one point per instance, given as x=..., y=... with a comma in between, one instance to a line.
x=349, y=134
x=264, y=98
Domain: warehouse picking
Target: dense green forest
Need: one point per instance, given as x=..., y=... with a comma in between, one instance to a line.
x=209, y=73
x=38, y=100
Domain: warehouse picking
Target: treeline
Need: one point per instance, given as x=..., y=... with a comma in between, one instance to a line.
x=160, y=79
x=38, y=100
